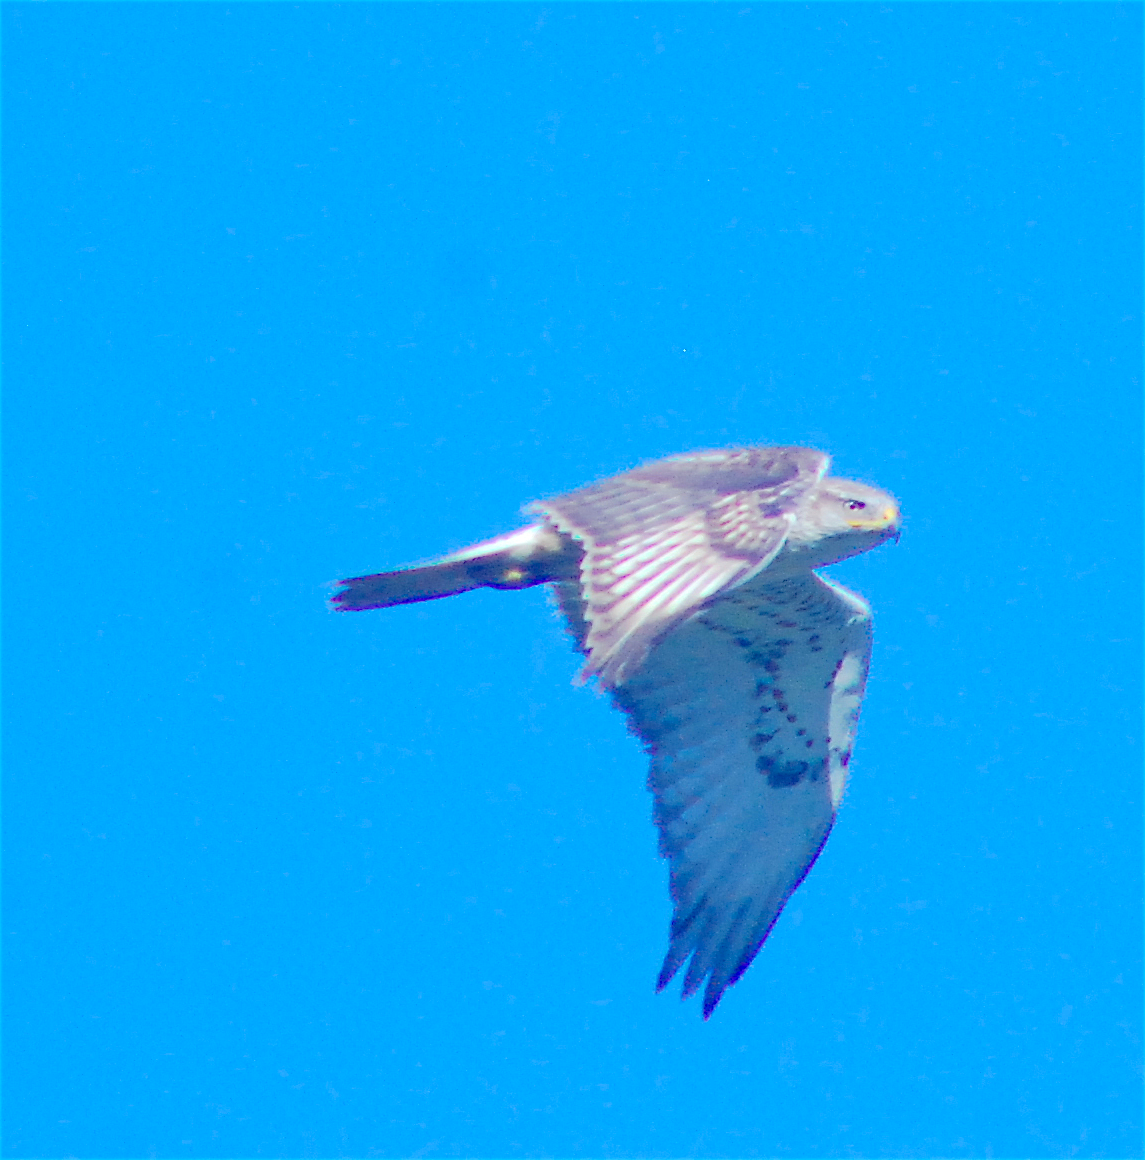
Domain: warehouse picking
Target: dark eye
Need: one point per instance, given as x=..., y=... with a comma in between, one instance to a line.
x=856, y=505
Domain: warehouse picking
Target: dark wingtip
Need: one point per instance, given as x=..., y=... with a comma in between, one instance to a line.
x=672, y=963
x=712, y=997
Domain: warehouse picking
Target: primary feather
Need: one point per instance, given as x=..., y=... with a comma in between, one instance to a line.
x=689, y=586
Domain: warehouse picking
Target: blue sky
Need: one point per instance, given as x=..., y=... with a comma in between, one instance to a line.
x=296, y=292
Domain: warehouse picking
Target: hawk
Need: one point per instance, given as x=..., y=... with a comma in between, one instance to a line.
x=689, y=585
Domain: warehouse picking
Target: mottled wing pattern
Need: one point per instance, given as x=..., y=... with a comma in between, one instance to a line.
x=661, y=540
x=748, y=711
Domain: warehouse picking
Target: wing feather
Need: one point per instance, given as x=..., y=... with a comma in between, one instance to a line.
x=743, y=684
x=748, y=711
x=658, y=573
x=663, y=539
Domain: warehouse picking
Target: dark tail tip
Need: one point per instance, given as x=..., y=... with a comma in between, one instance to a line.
x=408, y=586
x=358, y=594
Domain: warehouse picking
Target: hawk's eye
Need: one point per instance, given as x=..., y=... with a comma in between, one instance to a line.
x=856, y=505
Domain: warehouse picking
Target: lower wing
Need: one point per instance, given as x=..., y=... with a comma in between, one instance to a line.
x=748, y=711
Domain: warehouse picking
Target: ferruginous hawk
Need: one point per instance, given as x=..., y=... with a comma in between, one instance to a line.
x=689, y=586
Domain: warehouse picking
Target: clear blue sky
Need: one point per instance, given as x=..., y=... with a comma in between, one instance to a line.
x=296, y=292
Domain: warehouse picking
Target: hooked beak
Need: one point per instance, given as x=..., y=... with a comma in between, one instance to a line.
x=888, y=517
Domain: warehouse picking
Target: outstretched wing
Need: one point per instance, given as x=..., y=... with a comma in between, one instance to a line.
x=661, y=540
x=748, y=711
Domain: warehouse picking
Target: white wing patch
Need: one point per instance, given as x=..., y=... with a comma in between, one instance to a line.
x=748, y=710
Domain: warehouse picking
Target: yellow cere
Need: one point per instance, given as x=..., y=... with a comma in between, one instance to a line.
x=889, y=516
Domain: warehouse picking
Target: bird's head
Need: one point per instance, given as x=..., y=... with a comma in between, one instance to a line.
x=843, y=518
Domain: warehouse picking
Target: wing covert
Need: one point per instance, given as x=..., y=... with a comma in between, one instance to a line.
x=661, y=540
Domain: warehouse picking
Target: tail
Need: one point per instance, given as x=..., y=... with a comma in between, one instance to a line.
x=534, y=555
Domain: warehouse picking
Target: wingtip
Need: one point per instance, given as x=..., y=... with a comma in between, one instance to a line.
x=672, y=963
x=714, y=993
x=712, y=996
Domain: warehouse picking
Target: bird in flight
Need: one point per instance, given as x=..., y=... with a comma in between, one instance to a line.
x=689, y=585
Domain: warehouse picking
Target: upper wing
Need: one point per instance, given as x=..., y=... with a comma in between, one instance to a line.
x=661, y=540
x=748, y=711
